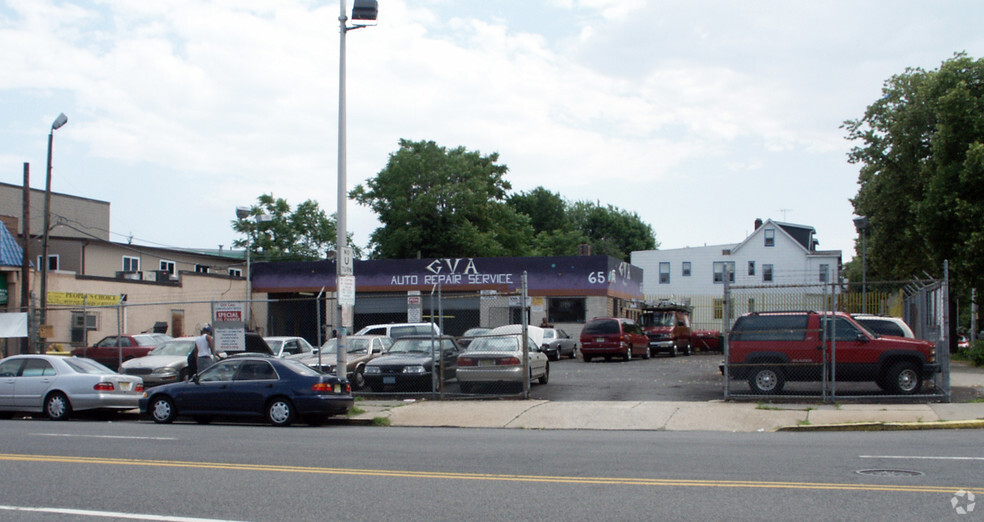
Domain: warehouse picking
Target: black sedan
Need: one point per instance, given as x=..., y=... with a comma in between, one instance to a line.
x=411, y=363
x=279, y=390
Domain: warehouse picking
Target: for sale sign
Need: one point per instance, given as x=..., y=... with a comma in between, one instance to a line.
x=229, y=313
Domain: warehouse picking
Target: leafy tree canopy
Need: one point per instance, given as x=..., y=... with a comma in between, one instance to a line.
x=920, y=148
x=439, y=202
x=305, y=233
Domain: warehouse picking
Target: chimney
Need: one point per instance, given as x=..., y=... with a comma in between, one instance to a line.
x=758, y=223
x=584, y=249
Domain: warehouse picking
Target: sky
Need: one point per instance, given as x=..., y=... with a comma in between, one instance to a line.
x=700, y=116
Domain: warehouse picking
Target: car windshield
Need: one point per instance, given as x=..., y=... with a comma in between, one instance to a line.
x=147, y=340
x=87, y=366
x=355, y=345
x=405, y=345
x=549, y=334
x=275, y=344
x=656, y=319
x=495, y=344
x=182, y=348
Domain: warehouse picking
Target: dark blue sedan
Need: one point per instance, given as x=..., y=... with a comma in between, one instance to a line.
x=278, y=390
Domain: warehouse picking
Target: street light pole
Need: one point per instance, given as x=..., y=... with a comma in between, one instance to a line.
x=57, y=124
x=362, y=10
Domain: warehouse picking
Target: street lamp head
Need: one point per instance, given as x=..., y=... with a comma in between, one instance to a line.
x=365, y=10
x=59, y=121
x=242, y=212
x=861, y=223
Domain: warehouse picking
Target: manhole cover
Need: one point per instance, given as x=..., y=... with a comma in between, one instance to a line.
x=889, y=472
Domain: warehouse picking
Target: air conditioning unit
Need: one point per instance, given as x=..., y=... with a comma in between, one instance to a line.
x=91, y=319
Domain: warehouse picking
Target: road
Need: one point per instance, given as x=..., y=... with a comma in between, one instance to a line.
x=254, y=472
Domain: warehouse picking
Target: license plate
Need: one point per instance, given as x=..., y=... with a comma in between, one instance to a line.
x=487, y=362
x=389, y=380
x=599, y=339
x=125, y=386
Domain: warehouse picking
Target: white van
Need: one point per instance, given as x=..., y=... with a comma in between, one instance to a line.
x=397, y=330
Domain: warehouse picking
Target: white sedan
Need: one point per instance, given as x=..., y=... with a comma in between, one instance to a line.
x=289, y=347
x=496, y=359
x=57, y=386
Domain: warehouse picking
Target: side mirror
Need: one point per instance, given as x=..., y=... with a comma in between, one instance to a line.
x=862, y=338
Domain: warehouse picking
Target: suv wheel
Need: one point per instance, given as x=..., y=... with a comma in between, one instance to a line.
x=903, y=378
x=766, y=380
x=673, y=350
x=628, y=353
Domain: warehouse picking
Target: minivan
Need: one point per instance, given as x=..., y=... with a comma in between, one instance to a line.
x=397, y=330
x=613, y=336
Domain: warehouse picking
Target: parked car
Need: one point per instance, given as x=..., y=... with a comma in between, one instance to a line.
x=290, y=347
x=613, y=337
x=359, y=350
x=470, y=335
x=411, y=363
x=557, y=343
x=397, y=330
x=497, y=359
x=109, y=351
x=279, y=390
x=770, y=348
x=884, y=325
x=57, y=386
x=165, y=364
x=706, y=340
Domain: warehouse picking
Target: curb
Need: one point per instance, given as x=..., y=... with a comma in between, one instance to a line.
x=890, y=426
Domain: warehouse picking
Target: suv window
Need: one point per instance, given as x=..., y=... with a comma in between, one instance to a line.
x=846, y=331
x=881, y=327
x=603, y=327
x=771, y=328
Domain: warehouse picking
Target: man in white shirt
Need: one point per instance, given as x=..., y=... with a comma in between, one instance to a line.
x=205, y=347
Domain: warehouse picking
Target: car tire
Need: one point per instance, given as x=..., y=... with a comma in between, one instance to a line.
x=673, y=350
x=646, y=355
x=574, y=352
x=57, y=407
x=162, y=410
x=628, y=354
x=359, y=378
x=545, y=378
x=903, y=379
x=689, y=351
x=766, y=380
x=587, y=358
x=280, y=412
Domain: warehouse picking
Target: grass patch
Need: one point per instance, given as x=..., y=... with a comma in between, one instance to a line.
x=804, y=422
x=380, y=421
x=355, y=410
x=764, y=406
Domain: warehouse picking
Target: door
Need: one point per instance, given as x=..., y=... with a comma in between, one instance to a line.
x=852, y=359
x=211, y=394
x=8, y=376
x=254, y=382
x=36, y=378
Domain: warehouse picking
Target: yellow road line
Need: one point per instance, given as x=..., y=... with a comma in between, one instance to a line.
x=449, y=475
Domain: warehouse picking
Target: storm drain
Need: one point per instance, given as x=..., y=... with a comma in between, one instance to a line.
x=889, y=472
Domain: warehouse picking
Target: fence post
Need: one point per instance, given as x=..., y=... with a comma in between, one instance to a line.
x=526, y=347
x=726, y=330
x=943, y=356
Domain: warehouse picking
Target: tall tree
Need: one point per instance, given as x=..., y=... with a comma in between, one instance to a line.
x=439, y=202
x=921, y=156
x=610, y=230
x=305, y=233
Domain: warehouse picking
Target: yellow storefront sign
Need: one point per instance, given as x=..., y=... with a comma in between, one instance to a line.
x=78, y=299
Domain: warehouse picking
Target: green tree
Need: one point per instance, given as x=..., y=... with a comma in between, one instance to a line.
x=547, y=210
x=921, y=156
x=611, y=231
x=439, y=202
x=303, y=234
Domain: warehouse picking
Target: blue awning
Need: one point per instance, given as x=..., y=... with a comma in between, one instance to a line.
x=11, y=254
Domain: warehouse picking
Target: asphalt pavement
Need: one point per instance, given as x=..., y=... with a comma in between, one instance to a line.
x=967, y=382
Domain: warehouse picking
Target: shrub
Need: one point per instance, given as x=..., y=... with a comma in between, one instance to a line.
x=974, y=354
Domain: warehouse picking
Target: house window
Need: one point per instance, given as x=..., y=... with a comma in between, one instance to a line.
x=168, y=266
x=566, y=310
x=664, y=273
x=236, y=272
x=719, y=267
x=131, y=264
x=201, y=269
x=751, y=268
x=767, y=273
x=823, y=273
x=53, y=262
x=686, y=269
x=770, y=237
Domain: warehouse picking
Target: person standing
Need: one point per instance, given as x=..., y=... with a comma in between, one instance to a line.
x=205, y=349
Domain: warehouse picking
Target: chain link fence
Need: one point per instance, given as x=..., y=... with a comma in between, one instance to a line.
x=833, y=341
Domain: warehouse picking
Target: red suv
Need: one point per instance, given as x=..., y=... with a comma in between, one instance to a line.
x=613, y=336
x=770, y=348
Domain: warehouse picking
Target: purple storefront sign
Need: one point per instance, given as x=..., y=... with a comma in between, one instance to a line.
x=561, y=275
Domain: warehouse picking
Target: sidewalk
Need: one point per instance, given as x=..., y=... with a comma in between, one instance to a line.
x=683, y=416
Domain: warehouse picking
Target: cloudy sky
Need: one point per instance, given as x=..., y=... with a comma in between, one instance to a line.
x=700, y=116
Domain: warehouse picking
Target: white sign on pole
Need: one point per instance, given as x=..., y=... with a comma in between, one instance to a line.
x=346, y=290
x=345, y=261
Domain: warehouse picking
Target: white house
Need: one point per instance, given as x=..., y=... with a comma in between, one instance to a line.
x=775, y=253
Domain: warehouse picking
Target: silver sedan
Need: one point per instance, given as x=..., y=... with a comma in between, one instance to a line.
x=498, y=361
x=57, y=386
